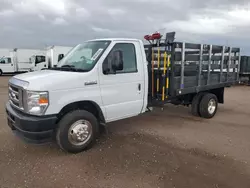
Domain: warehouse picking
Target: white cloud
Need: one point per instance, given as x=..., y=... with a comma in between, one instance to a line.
x=7, y=13
x=82, y=12
x=40, y=6
x=116, y=11
x=60, y=21
x=55, y=5
x=42, y=17
x=223, y=22
x=102, y=30
x=240, y=17
x=200, y=25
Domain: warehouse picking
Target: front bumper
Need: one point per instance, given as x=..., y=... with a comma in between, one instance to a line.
x=30, y=128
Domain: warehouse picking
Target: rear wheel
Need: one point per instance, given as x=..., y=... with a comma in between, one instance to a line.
x=1, y=72
x=208, y=105
x=195, y=104
x=77, y=131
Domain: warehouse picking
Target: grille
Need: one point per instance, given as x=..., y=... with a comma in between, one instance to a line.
x=15, y=97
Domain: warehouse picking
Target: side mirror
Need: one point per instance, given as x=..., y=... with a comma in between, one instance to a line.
x=60, y=56
x=117, y=60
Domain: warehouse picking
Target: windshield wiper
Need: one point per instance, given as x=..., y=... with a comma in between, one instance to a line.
x=71, y=66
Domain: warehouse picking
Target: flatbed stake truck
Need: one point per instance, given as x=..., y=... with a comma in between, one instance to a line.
x=106, y=80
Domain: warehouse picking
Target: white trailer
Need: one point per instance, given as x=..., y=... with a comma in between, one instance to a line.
x=18, y=61
x=55, y=54
x=5, y=52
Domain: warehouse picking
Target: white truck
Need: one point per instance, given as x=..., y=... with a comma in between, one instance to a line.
x=55, y=53
x=18, y=61
x=38, y=61
x=49, y=57
x=106, y=80
x=4, y=54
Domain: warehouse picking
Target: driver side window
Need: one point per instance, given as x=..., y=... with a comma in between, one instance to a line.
x=129, y=58
x=5, y=61
x=40, y=59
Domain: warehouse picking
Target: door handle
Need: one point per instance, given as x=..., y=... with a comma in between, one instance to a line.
x=139, y=87
x=11, y=64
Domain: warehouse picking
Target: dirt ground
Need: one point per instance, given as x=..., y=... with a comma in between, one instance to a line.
x=166, y=149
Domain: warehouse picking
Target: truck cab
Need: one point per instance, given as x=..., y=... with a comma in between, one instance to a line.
x=38, y=62
x=6, y=65
x=97, y=82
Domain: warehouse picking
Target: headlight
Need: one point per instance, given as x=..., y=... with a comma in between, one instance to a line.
x=37, y=102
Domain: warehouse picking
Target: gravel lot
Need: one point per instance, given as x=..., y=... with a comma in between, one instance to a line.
x=167, y=148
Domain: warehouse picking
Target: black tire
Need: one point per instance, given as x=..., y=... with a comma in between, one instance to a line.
x=64, y=125
x=204, y=104
x=1, y=72
x=196, y=103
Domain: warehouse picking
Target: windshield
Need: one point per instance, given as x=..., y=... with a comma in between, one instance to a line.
x=84, y=56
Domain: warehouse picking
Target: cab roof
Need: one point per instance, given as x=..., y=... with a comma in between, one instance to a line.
x=115, y=39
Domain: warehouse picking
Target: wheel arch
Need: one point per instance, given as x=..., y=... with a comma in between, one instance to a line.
x=87, y=105
x=219, y=92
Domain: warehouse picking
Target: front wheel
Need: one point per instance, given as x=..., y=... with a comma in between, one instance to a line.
x=208, y=105
x=77, y=131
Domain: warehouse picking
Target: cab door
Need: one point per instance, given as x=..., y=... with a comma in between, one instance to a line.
x=6, y=65
x=40, y=63
x=123, y=91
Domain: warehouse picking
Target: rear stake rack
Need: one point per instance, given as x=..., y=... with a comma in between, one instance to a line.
x=162, y=69
x=155, y=39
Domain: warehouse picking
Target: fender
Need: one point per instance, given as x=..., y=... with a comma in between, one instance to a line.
x=90, y=106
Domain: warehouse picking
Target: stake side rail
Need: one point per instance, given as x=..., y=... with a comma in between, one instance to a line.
x=183, y=68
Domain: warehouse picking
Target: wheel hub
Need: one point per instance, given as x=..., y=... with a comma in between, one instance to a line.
x=211, y=106
x=80, y=132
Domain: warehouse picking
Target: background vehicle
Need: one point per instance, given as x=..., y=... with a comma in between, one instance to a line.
x=38, y=61
x=18, y=61
x=106, y=80
x=245, y=69
x=55, y=53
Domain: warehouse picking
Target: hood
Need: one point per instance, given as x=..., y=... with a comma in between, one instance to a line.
x=49, y=80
